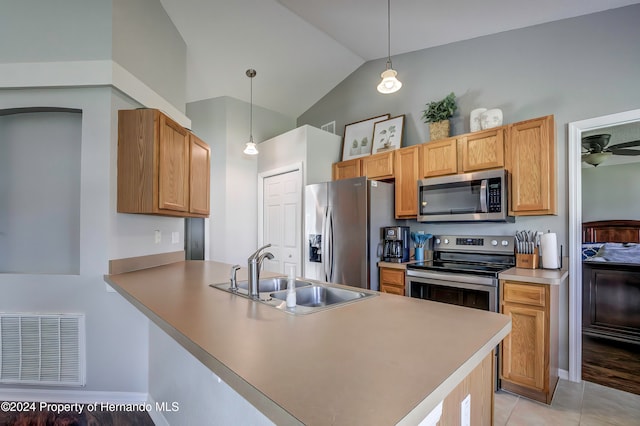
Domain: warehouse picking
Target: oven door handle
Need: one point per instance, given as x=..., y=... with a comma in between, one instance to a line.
x=483, y=196
x=450, y=279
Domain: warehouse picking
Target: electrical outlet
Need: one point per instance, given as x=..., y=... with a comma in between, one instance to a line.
x=465, y=411
x=175, y=237
x=158, y=236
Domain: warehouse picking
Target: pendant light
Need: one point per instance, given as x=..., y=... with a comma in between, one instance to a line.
x=251, y=149
x=389, y=83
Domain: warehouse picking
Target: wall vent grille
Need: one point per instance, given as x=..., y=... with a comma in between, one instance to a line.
x=329, y=127
x=42, y=349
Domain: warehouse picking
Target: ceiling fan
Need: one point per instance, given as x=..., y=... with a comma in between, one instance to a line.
x=596, y=151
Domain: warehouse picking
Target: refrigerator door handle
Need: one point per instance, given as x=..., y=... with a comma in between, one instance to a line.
x=324, y=243
x=328, y=265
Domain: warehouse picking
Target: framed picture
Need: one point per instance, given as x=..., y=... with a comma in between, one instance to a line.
x=358, y=137
x=387, y=134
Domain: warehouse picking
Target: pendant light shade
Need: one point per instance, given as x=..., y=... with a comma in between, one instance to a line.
x=389, y=83
x=250, y=148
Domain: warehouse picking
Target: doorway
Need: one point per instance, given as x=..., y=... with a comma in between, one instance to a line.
x=280, y=218
x=194, y=238
x=576, y=129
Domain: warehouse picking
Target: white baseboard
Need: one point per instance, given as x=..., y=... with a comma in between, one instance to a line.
x=563, y=374
x=156, y=416
x=70, y=396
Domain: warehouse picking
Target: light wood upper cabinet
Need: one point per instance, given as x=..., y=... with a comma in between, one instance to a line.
x=199, y=180
x=378, y=166
x=483, y=150
x=406, y=184
x=347, y=169
x=530, y=160
x=155, y=166
x=529, y=359
x=439, y=158
x=173, y=166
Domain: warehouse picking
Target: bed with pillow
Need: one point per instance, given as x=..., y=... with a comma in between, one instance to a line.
x=611, y=279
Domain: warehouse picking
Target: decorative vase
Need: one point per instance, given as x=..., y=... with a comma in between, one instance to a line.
x=474, y=119
x=419, y=253
x=491, y=118
x=439, y=130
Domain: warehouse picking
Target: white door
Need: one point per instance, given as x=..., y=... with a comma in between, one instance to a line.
x=282, y=222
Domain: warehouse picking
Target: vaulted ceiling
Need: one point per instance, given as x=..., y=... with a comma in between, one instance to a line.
x=301, y=49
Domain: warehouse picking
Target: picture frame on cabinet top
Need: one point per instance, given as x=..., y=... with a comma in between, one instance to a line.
x=358, y=137
x=387, y=134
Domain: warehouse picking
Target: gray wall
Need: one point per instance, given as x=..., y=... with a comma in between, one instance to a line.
x=576, y=69
x=117, y=345
x=611, y=192
x=68, y=30
x=224, y=124
x=51, y=31
x=149, y=46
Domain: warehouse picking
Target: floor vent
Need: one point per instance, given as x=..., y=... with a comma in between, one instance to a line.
x=42, y=349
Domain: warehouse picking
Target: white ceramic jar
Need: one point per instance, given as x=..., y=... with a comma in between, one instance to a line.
x=474, y=119
x=491, y=118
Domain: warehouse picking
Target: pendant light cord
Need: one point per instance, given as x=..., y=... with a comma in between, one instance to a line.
x=388, y=33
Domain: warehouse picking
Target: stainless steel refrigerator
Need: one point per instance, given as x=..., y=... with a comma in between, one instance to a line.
x=343, y=229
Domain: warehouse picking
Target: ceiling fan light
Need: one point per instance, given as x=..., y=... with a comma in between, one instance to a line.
x=250, y=148
x=596, y=159
x=389, y=83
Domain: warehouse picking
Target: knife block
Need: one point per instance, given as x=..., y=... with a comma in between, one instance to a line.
x=527, y=261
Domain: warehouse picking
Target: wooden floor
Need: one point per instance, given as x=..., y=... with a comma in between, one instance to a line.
x=29, y=417
x=612, y=364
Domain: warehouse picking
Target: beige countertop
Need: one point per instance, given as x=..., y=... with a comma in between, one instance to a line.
x=537, y=276
x=382, y=360
x=394, y=265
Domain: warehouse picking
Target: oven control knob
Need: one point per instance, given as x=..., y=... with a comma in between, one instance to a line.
x=494, y=243
x=437, y=240
x=505, y=243
x=446, y=241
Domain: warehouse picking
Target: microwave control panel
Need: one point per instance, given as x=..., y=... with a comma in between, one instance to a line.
x=495, y=199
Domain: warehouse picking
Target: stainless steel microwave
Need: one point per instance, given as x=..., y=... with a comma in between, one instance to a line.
x=467, y=197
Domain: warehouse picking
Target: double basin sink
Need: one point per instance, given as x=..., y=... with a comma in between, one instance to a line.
x=310, y=296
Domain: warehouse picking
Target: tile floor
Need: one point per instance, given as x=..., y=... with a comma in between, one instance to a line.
x=583, y=403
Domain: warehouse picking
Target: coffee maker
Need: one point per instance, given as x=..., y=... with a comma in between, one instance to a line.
x=396, y=244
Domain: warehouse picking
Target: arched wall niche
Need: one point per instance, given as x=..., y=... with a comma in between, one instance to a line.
x=40, y=179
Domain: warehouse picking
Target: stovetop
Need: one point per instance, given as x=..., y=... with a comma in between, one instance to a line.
x=460, y=267
x=478, y=255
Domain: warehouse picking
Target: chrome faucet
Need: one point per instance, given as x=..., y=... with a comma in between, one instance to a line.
x=232, y=278
x=255, y=263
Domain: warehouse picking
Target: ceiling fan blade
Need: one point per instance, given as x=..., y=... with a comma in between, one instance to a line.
x=625, y=144
x=624, y=151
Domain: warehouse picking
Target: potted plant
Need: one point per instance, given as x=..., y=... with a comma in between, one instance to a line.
x=437, y=116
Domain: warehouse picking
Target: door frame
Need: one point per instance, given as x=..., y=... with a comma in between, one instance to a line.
x=274, y=172
x=575, y=228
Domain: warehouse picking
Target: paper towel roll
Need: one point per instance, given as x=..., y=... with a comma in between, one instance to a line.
x=549, y=246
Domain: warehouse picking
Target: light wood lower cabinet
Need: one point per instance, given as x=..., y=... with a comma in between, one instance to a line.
x=529, y=361
x=392, y=281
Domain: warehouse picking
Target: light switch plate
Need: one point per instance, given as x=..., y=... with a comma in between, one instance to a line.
x=175, y=237
x=158, y=236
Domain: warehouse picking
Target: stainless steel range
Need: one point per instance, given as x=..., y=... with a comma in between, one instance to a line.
x=464, y=270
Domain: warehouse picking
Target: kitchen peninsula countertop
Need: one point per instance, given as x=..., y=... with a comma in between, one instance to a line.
x=381, y=360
